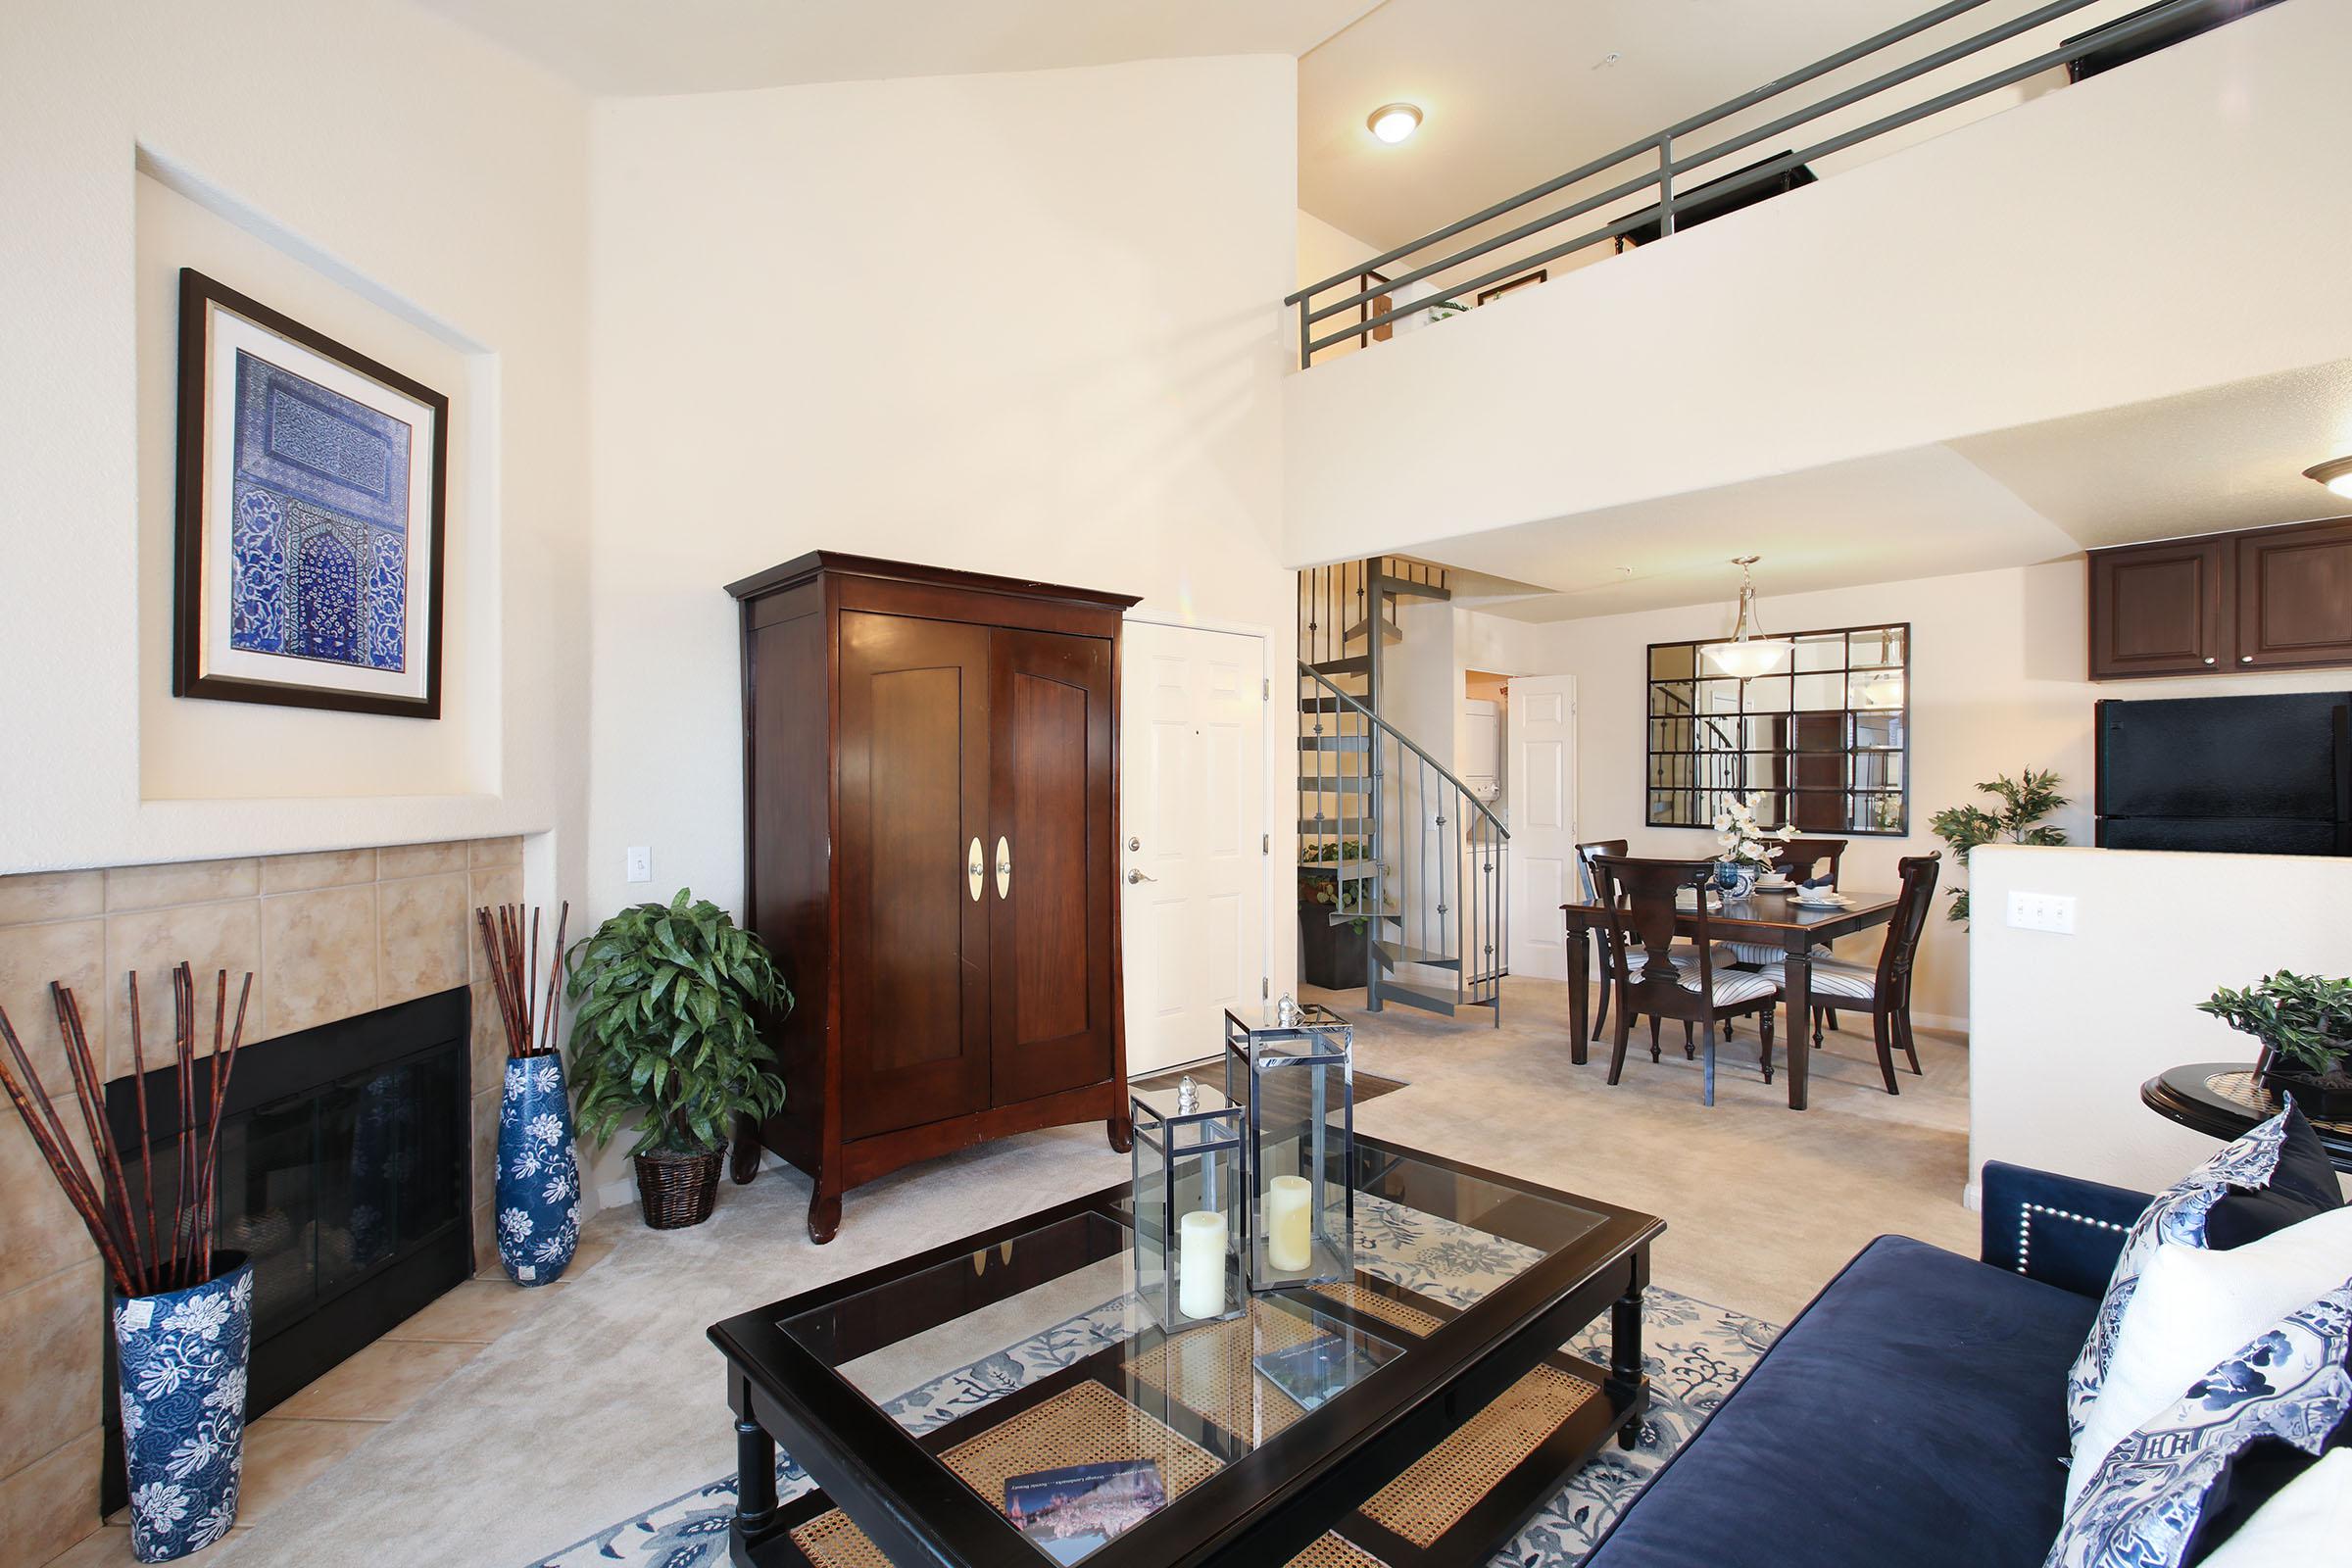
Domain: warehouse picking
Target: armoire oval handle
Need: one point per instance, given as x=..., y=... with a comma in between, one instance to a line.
x=1004, y=868
x=975, y=870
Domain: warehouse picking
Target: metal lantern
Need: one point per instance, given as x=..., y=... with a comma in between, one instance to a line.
x=1188, y=1204
x=1294, y=1071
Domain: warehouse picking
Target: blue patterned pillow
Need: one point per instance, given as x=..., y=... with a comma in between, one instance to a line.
x=2144, y=1504
x=2178, y=1214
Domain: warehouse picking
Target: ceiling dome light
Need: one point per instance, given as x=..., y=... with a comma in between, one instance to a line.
x=2335, y=474
x=1394, y=122
x=1749, y=652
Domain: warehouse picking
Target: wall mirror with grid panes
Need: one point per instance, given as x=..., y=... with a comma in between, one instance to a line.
x=1823, y=743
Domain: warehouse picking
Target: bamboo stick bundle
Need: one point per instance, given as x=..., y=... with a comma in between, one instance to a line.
x=510, y=946
x=100, y=1190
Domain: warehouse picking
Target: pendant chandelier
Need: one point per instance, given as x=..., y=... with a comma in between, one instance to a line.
x=1749, y=652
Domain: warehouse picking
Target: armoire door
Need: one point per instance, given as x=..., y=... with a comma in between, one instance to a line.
x=913, y=791
x=1051, y=863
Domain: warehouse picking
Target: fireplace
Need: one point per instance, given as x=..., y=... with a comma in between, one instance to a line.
x=345, y=1174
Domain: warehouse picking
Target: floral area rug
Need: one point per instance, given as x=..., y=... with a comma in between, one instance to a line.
x=1694, y=1353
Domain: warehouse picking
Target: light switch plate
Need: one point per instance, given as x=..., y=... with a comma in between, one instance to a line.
x=2043, y=912
x=641, y=864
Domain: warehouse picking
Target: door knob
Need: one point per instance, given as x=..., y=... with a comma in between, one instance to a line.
x=1138, y=877
x=975, y=872
x=1004, y=868
x=2209, y=659
x=2245, y=659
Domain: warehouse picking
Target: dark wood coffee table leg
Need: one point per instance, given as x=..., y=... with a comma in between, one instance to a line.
x=754, y=1466
x=1798, y=987
x=1625, y=1354
x=1579, y=1012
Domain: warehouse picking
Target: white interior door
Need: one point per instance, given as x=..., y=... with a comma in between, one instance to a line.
x=1193, y=863
x=1542, y=819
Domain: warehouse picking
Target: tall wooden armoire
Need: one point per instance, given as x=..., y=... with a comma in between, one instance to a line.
x=931, y=813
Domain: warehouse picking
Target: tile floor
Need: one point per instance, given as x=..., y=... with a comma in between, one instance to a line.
x=320, y=1426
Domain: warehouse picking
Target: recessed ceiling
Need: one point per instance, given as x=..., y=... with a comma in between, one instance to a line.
x=2229, y=457
x=636, y=47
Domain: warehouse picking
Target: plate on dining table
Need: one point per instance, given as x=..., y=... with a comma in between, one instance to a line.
x=1836, y=900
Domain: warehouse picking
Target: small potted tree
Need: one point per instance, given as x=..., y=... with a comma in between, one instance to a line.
x=2305, y=1026
x=669, y=1001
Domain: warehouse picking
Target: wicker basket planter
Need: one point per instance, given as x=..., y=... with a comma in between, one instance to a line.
x=675, y=1190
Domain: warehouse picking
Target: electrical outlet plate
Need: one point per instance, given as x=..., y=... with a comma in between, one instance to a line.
x=2043, y=912
x=641, y=864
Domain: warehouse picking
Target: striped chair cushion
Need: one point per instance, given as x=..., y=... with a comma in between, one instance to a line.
x=1686, y=956
x=1757, y=953
x=1731, y=986
x=1829, y=980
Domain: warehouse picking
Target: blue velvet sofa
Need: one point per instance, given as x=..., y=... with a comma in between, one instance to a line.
x=1914, y=1415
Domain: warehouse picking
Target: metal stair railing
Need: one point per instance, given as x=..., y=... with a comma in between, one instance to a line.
x=1673, y=166
x=1433, y=884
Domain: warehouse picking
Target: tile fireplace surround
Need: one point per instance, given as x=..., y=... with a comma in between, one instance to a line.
x=328, y=936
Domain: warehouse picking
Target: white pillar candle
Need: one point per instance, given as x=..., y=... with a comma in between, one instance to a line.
x=1289, y=1244
x=1200, y=1263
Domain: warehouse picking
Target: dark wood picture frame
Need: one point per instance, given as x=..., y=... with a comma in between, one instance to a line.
x=1378, y=305
x=1524, y=281
x=197, y=292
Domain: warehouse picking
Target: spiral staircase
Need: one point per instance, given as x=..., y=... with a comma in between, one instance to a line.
x=1388, y=836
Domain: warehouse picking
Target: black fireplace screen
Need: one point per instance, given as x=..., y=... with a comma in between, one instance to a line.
x=345, y=1175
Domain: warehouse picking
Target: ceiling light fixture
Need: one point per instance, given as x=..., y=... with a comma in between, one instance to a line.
x=1749, y=652
x=1394, y=122
x=2335, y=474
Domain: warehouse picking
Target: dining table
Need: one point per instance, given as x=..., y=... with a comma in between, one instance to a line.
x=1763, y=918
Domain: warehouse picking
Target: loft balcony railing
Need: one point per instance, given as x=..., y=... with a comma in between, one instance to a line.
x=2141, y=31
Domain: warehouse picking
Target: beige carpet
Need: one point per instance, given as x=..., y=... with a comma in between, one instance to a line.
x=611, y=1399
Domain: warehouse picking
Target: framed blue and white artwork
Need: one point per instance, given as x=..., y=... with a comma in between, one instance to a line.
x=313, y=503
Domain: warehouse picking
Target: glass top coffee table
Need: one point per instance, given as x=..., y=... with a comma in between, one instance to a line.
x=1434, y=1413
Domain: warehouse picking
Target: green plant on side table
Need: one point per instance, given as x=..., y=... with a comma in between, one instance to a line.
x=2305, y=1026
x=669, y=997
x=2025, y=802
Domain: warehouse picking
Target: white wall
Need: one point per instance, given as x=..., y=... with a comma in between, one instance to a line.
x=1024, y=324
x=2027, y=266
x=367, y=163
x=2068, y=1027
x=1998, y=662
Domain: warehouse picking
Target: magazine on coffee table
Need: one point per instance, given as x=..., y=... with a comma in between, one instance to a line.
x=1070, y=1511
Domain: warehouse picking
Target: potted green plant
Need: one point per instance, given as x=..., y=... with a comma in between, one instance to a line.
x=2025, y=802
x=669, y=998
x=2305, y=1026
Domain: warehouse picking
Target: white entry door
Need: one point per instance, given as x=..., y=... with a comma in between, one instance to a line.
x=1542, y=796
x=1193, y=862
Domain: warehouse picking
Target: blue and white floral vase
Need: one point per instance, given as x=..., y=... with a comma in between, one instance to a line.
x=183, y=1355
x=1736, y=879
x=538, y=1208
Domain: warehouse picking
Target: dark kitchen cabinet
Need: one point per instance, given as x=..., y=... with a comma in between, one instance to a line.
x=2294, y=597
x=953, y=739
x=2159, y=610
x=2258, y=599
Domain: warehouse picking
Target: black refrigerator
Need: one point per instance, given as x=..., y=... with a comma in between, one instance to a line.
x=2248, y=775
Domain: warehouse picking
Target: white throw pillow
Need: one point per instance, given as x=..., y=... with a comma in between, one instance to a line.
x=2309, y=1521
x=2193, y=1308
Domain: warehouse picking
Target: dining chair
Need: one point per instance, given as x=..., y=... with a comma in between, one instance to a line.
x=1657, y=979
x=1794, y=859
x=1584, y=854
x=1885, y=988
